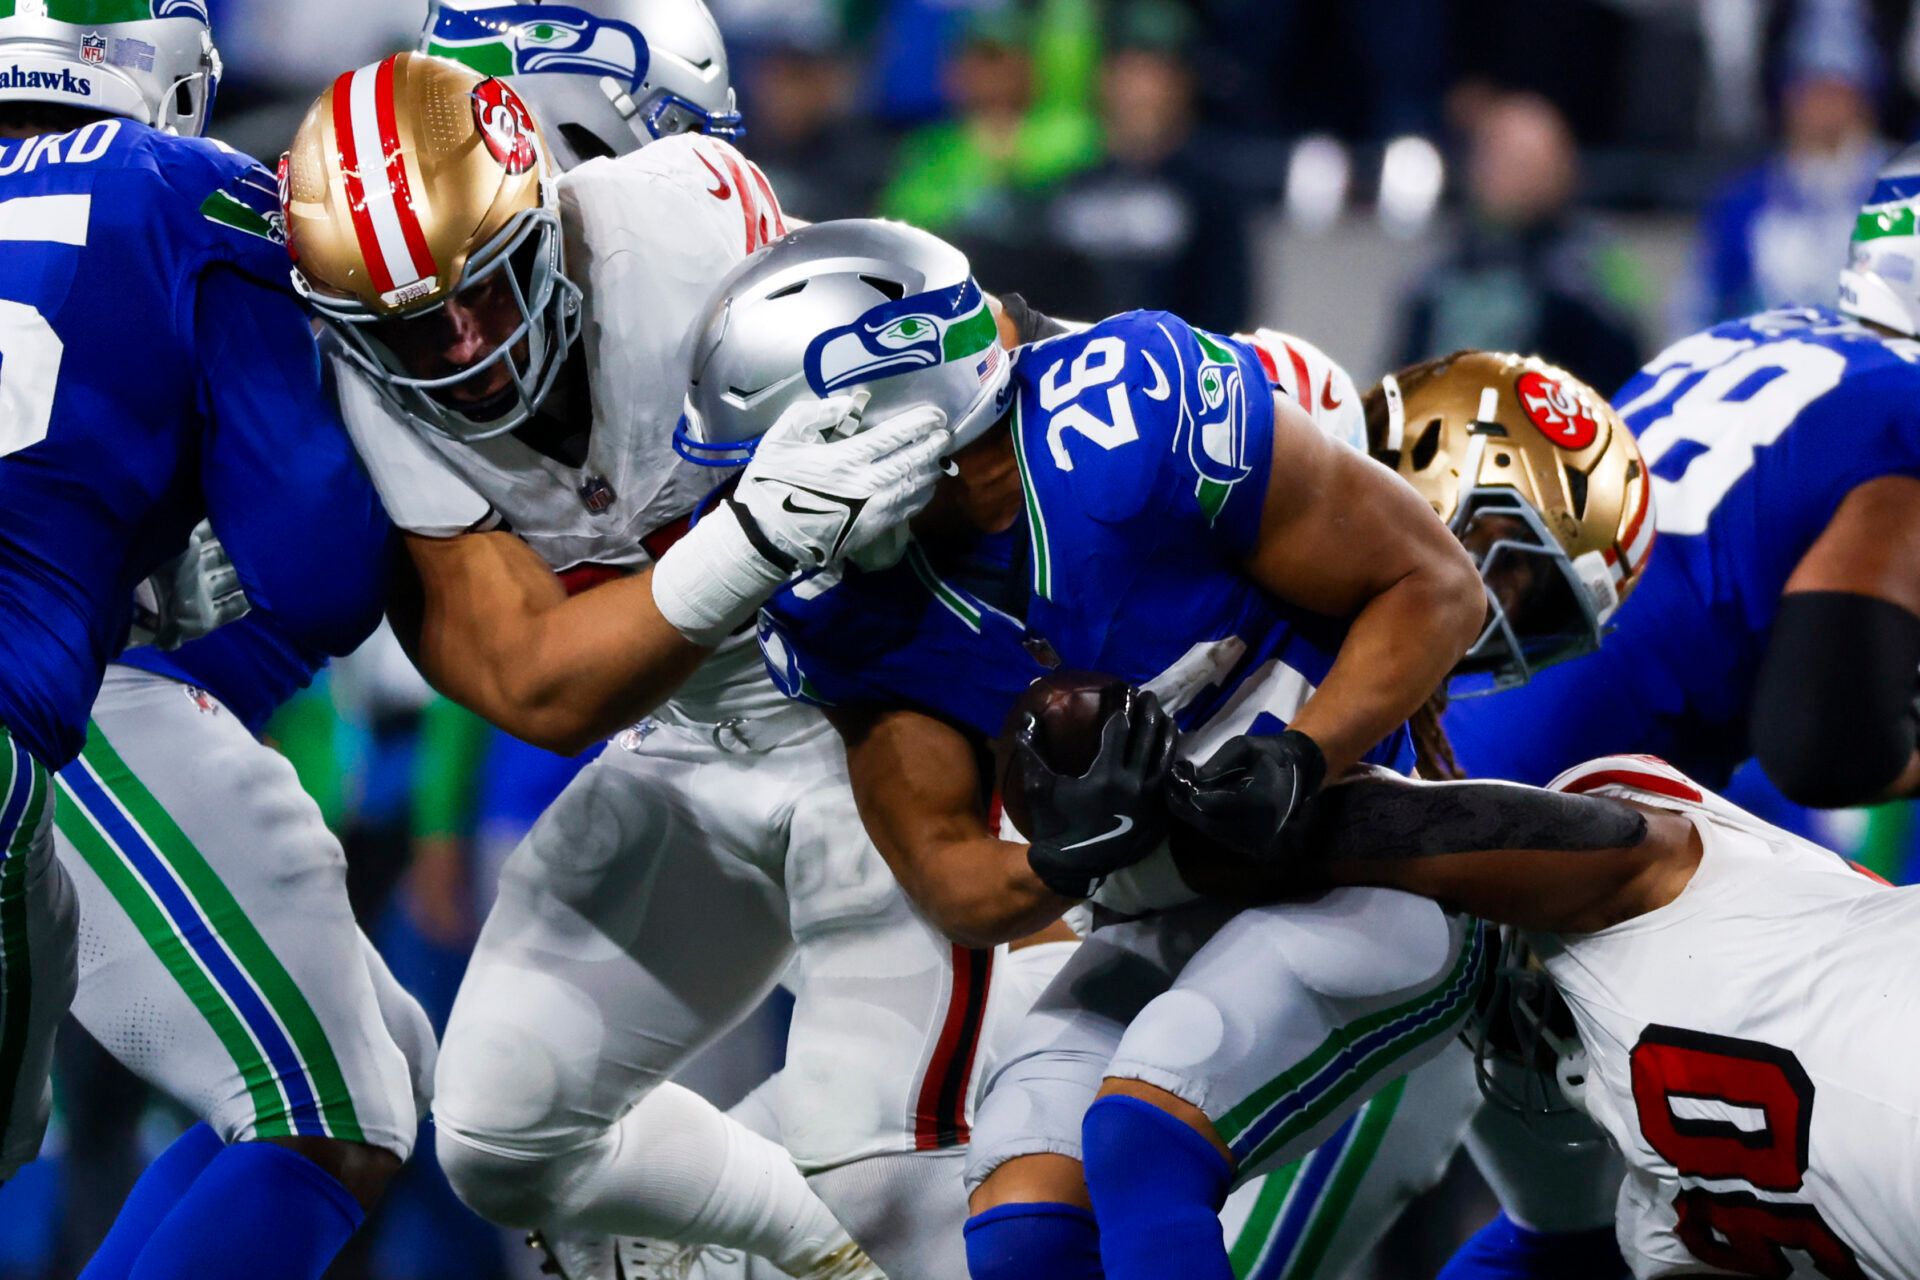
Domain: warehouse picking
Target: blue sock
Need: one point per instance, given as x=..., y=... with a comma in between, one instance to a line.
x=1505, y=1250
x=160, y=1188
x=1041, y=1241
x=258, y=1212
x=1157, y=1188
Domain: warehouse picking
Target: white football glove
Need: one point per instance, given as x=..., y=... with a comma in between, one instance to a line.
x=190, y=595
x=822, y=488
x=819, y=489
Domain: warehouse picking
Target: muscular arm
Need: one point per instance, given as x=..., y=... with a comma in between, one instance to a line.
x=1343, y=536
x=918, y=787
x=490, y=626
x=1515, y=855
x=1834, y=713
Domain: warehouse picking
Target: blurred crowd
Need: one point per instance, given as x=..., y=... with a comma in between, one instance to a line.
x=1116, y=153
x=1099, y=155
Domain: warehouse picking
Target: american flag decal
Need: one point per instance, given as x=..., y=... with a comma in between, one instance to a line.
x=989, y=362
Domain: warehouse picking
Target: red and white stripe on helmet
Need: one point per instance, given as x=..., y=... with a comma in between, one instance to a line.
x=379, y=193
x=1312, y=379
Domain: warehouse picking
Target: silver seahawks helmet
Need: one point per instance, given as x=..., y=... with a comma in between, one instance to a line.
x=1881, y=282
x=604, y=77
x=862, y=303
x=148, y=60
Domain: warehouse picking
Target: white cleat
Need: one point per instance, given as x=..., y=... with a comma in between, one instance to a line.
x=572, y=1257
x=643, y=1259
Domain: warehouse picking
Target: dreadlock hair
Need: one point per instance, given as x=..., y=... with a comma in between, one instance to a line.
x=1433, y=753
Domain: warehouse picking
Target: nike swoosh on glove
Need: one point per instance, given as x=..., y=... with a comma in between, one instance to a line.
x=192, y=594
x=1085, y=828
x=825, y=485
x=1251, y=795
x=820, y=487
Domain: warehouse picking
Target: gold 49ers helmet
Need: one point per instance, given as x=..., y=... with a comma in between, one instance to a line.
x=1538, y=477
x=425, y=231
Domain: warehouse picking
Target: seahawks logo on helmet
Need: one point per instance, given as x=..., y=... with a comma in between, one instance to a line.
x=534, y=39
x=916, y=332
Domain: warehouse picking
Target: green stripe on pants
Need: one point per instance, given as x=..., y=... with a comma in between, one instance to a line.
x=1252, y=1240
x=1375, y=1118
x=1431, y=1015
x=1326, y=1217
x=231, y=925
x=270, y=1112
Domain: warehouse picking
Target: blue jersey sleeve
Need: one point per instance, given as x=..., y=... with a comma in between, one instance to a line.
x=284, y=489
x=1149, y=422
x=901, y=637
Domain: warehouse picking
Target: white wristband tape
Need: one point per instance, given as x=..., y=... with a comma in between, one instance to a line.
x=712, y=580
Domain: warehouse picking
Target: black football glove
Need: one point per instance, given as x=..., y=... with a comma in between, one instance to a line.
x=1087, y=827
x=1248, y=795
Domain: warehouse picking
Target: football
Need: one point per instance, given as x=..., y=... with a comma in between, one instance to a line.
x=1069, y=707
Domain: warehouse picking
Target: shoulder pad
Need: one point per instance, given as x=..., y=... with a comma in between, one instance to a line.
x=247, y=203
x=1105, y=402
x=1181, y=394
x=712, y=179
x=234, y=199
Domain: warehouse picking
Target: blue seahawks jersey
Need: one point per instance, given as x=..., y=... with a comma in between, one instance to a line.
x=156, y=368
x=252, y=666
x=1145, y=448
x=1755, y=431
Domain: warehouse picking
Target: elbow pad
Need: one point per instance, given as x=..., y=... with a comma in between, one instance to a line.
x=1834, y=716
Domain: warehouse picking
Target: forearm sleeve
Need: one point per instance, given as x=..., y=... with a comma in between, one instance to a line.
x=1834, y=718
x=1384, y=815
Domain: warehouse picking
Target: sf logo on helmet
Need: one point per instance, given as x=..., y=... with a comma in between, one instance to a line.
x=506, y=126
x=1561, y=416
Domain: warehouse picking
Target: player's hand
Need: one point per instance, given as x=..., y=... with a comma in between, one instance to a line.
x=825, y=485
x=189, y=596
x=1089, y=826
x=822, y=486
x=1251, y=795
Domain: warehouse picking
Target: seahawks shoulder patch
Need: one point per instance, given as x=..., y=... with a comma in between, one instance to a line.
x=250, y=204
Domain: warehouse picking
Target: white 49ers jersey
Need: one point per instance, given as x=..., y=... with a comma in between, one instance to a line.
x=648, y=235
x=1752, y=1051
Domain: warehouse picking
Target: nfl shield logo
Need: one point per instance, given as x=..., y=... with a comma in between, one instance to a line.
x=93, y=48
x=596, y=494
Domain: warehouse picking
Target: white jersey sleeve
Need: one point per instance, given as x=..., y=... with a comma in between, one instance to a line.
x=421, y=493
x=1313, y=380
x=1749, y=1047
